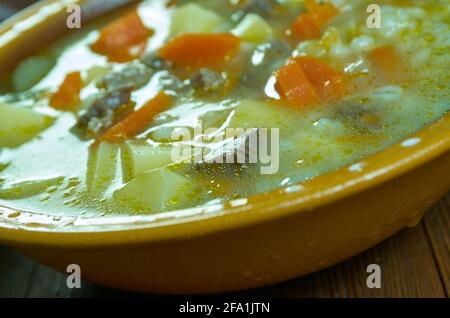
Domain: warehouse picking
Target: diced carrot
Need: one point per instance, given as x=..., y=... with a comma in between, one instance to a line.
x=294, y=86
x=124, y=39
x=137, y=121
x=200, y=49
x=307, y=80
x=388, y=63
x=309, y=25
x=68, y=93
x=305, y=28
x=328, y=82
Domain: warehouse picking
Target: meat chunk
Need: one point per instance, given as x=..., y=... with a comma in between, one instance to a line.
x=208, y=81
x=362, y=117
x=105, y=111
x=262, y=7
x=131, y=77
x=154, y=62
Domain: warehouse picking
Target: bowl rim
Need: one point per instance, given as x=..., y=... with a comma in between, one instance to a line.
x=27, y=228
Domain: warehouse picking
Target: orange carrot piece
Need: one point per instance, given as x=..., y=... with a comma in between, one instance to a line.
x=200, y=49
x=388, y=63
x=294, y=86
x=328, y=82
x=137, y=121
x=68, y=93
x=309, y=25
x=305, y=28
x=123, y=39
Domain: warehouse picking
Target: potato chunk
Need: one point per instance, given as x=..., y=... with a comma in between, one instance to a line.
x=145, y=157
x=253, y=28
x=257, y=114
x=19, y=125
x=103, y=166
x=157, y=190
x=192, y=18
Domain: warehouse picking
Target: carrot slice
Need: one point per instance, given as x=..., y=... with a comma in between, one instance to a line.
x=124, y=39
x=200, y=49
x=309, y=25
x=137, y=121
x=68, y=93
x=305, y=28
x=307, y=80
x=388, y=63
x=294, y=86
x=328, y=82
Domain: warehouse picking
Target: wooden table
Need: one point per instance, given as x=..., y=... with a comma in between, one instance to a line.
x=414, y=262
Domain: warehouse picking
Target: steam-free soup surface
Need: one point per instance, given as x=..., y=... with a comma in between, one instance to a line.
x=92, y=125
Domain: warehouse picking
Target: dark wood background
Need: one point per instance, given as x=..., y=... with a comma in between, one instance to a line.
x=414, y=262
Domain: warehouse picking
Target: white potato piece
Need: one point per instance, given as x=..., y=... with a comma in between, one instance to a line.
x=257, y=114
x=30, y=72
x=145, y=157
x=28, y=188
x=253, y=28
x=103, y=166
x=192, y=18
x=156, y=190
x=19, y=125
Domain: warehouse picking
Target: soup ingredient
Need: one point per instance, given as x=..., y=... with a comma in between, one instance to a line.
x=388, y=64
x=145, y=157
x=132, y=76
x=309, y=25
x=19, y=125
x=102, y=166
x=328, y=82
x=294, y=86
x=306, y=80
x=261, y=7
x=208, y=81
x=123, y=39
x=30, y=72
x=68, y=94
x=192, y=18
x=105, y=111
x=138, y=120
x=253, y=113
x=200, y=49
x=157, y=190
x=253, y=28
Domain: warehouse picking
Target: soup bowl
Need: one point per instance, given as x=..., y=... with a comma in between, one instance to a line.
x=241, y=244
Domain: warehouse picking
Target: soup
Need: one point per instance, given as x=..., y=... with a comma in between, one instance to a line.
x=176, y=104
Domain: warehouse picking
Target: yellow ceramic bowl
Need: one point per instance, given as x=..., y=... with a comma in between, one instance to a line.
x=272, y=237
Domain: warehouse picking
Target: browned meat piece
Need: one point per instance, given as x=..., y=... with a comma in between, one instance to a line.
x=104, y=112
x=132, y=77
x=208, y=81
x=262, y=7
x=363, y=117
x=154, y=62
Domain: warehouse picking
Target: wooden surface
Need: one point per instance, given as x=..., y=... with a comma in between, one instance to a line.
x=414, y=263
